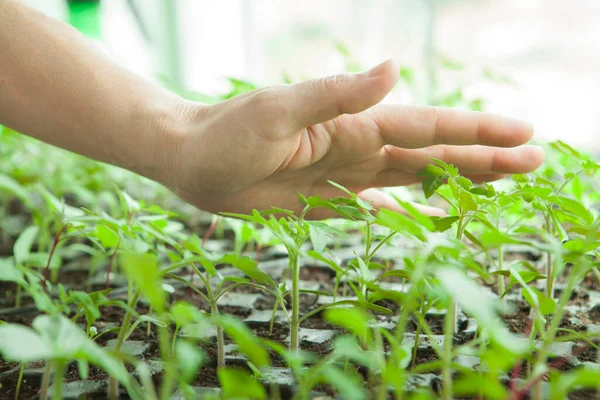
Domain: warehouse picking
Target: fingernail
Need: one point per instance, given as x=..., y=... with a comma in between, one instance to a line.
x=378, y=69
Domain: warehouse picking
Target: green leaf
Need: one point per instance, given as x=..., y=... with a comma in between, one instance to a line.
x=394, y=273
x=399, y=223
x=573, y=207
x=475, y=301
x=445, y=223
x=577, y=378
x=432, y=178
x=318, y=256
x=421, y=218
x=184, y=313
x=542, y=302
x=247, y=342
x=562, y=234
x=21, y=344
x=189, y=359
x=248, y=267
x=348, y=384
x=237, y=383
x=467, y=201
x=354, y=320
x=474, y=385
x=318, y=235
x=492, y=237
x=464, y=182
x=92, y=313
x=108, y=238
x=10, y=273
x=142, y=269
x=24, y=243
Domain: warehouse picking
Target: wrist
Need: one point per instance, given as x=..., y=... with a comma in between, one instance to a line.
x=167, y=122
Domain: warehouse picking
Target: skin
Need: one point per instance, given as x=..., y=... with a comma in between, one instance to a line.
x=250, y=152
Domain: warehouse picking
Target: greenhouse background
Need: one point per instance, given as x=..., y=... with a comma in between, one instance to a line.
x=534, y=59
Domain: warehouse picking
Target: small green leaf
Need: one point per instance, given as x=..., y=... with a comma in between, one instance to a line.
x=248, y=267
x=475, y=301
x=445, y=223
x=237, y=383
x=21, y=344
x=547, y=306
x=432, y=178
x=347, y=383
x=142, y=269
x=353, y=320
x=24, y=243
x=189, y=359
x=247, y=342
x=10, y=273
x=318, y=235
x=108, y=238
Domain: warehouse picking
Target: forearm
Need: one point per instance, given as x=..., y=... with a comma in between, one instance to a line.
x=56, y=87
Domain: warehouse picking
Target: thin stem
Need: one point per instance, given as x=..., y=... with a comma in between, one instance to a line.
x=52, y=250
x=417, y=337
x=174, y=341
x=20, y=380
x=113, y=385
x=18, y=296
x=220, y=338
x=169, y=377
x=549, y=279
x=295, y=266
x=59, y=375
x=447, y=370
x=45, y=381
x=501, y=282
x=450, y=327
x=384, y=241
x=111, y=262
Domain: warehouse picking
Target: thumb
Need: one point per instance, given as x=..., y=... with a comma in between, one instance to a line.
x=323, y=99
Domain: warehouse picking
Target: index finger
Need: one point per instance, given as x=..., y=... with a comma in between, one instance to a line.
x=416, y=126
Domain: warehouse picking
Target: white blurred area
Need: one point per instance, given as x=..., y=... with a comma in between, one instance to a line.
x=549, y=48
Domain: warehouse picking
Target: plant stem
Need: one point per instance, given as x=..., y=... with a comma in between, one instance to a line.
x=417, y=337
x=52, y=250
x=168, y=383
x=174, y=341
x=18, y=296
x=448, y=332
x=295, y=265
x=220, y=339
x=20, y=380
x=450, y=329
x=59, y=375
x=549, y=279
x=45, y=381
x=113, y=385
x=110, y=264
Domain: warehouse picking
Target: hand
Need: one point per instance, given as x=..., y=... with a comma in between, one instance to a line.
x=259, y=149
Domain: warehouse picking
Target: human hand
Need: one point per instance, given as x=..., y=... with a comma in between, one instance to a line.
x=259, y=149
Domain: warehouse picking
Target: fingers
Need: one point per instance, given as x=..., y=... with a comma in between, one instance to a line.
x=416, y=127
x=380, y=199
x=321, y=100
x=468, y=159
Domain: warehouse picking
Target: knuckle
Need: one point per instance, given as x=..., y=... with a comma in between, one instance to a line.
x=335, y=82
x=270, y=104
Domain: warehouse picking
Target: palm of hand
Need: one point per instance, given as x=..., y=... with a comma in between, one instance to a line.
x=259, y=150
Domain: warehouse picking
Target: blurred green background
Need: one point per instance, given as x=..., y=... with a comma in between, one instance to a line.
x=533, y=59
